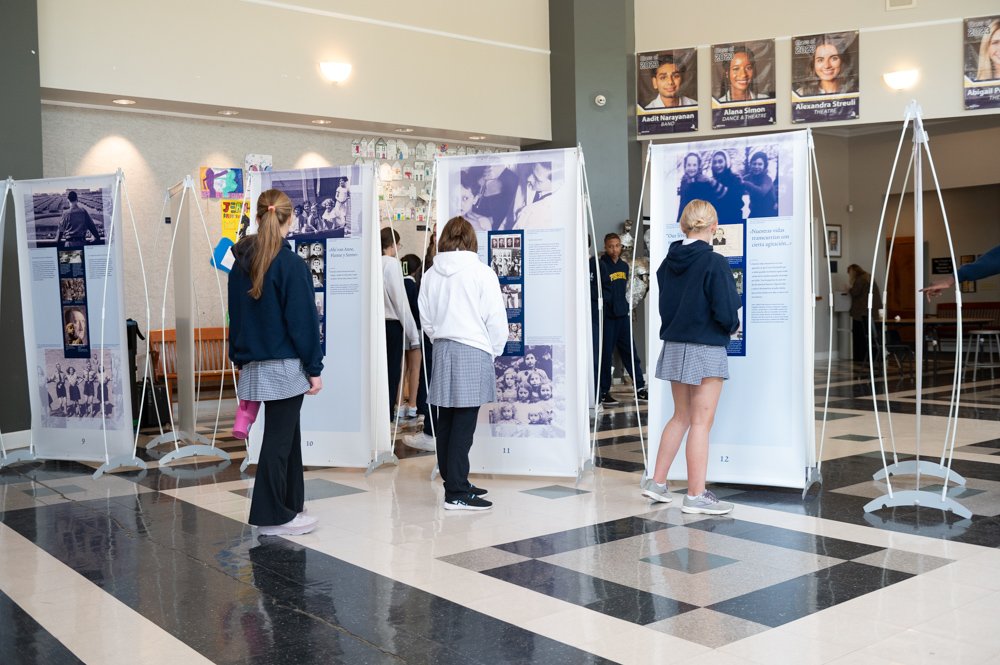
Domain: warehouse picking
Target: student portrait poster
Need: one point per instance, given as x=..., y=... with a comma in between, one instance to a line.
x=825, y=77
x=981, y=61
x=70, y=261
x=758, y=186
x=743, y=84
x=527, y=213
x=667, y=91
x=335, y=233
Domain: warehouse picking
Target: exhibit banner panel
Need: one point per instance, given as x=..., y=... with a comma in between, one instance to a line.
x=758, y=184
x=528, y=215
x=71, y=265
x=335, y=232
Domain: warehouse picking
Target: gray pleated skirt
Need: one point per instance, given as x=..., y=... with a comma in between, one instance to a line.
x=462, y=376
x=690, y=363
x=266, y=380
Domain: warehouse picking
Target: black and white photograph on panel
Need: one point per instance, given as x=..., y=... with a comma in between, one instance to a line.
x=67, y=218
x=321, y=201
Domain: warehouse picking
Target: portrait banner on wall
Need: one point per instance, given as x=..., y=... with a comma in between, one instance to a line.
x=335, y=232
x=667, y=91
x=526, y=209
x=743, y=84
x=70, y=262
x=825, y=77
x=758, y=186
x=981, y=60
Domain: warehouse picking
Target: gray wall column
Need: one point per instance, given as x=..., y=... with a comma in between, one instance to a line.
x=20, y=157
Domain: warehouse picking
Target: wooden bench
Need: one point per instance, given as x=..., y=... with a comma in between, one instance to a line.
x=211, y=356
x=972, y=310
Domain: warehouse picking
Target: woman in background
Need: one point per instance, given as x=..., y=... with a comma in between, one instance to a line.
x=859, y=283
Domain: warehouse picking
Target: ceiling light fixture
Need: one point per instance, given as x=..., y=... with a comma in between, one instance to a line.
x=903, y=79
x=228, y=112
x=123, y=102
x=321, y=121
x=477, y=137
x=335, y=72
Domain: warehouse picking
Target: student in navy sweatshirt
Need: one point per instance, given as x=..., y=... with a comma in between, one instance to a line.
x=617, y=324
x=699, y=311
x=274, y=340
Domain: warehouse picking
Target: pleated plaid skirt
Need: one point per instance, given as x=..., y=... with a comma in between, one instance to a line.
x=690, y=363
x=266, y=380
x=462, y=376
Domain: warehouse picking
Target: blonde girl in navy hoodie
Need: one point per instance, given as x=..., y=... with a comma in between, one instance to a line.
x=699, y=310
x=274, y=340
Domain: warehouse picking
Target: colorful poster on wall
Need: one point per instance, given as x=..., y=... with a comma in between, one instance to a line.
x=758, y=185
x=255, y=163
x=74, y=326
x=667, y=91
x=825, y=77
x=220, y=183
x=981, y=58
x=743, y=84
x=527, y=213
x=232, y=215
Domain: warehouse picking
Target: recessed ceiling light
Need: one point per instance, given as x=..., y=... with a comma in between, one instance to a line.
x=321, y=121
x=336, y=72
x=123, y=102
x=228, y=112
x=477, y=137
x=404, y=130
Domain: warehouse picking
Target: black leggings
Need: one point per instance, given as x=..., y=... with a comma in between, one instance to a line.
x=455, y=429
x=394, y=357
x=279, y=488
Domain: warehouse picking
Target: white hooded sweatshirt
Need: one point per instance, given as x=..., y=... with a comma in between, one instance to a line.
x=460, y=300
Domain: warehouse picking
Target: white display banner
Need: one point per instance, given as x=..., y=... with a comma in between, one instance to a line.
x=70, y=261
x=528, y=215
x=336, y=233
x=764, y=425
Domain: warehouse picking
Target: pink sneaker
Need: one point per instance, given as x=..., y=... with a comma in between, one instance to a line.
x=246, y=415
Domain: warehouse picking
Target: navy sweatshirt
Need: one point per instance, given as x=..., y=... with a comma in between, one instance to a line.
x=987, y=266
x=614, y=286
x=699, y=303
x=283, y=323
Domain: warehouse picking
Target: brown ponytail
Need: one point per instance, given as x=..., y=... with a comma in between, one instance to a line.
x=274, y=209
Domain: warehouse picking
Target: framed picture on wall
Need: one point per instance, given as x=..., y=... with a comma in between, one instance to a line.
x=834, y=240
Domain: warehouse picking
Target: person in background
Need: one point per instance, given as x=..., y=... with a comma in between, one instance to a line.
x=423, y=440
x=698, y=313
x=411, y=372
x=400, y=328
x=75, y=224
x=986, y=266
x=859, y=280
x=617, y=323
x=462, y=312
x=274, y=341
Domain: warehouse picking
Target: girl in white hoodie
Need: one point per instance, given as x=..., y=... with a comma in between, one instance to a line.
x=462, y=312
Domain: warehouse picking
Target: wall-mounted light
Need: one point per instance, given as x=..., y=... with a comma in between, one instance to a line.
x=335, y=72
x=321, y=121
x=404, y=130
x=228, y=112
x=903, y=79
x=477, y=137
x=123, y=102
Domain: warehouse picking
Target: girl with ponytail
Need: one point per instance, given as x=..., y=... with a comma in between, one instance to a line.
x=274, y=341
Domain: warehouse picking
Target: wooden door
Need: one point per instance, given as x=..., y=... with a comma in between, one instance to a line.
x=901, y=285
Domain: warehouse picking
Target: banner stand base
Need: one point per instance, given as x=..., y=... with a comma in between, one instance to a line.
x=120, y=462
x=918, y=467
x=177, y=436
x=195, y=451
x=18, y=456
x=813, y=477
x=186, y=473
x=246, y=464
x=434, y=473
x=586, y=467
x=919, y=498
x=384, y=457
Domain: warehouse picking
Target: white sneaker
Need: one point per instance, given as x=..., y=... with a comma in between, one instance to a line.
x=401, y=411
x=420, y=441
x=300, y=525
x=657, y=492
x=411, y=412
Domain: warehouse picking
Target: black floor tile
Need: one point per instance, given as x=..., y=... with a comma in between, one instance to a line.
x=641, y=607
x=574, y=539
x=24, y=640
x=796, y=540
x=787, y=601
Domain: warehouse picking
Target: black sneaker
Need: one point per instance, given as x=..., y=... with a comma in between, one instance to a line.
x=478, y=491
x=643, y=394
x=608, y=400
x=470, y=502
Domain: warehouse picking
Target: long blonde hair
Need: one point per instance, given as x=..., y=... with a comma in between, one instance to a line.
x=985, y=72
x=274, y=209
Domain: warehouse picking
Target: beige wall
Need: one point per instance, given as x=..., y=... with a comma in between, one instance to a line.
x=246, y=54
x=928, y=37
x=156, y=151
